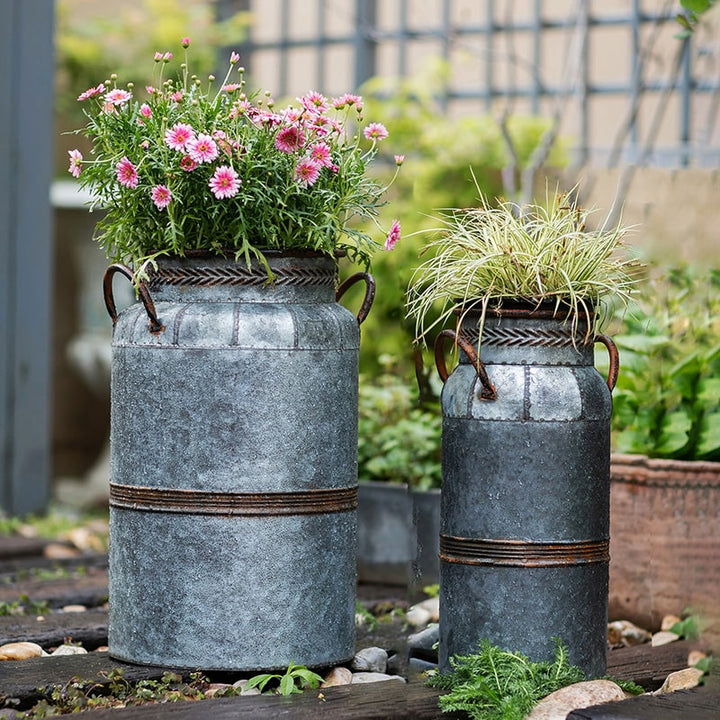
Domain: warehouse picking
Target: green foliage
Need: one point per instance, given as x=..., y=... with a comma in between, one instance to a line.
x=432, y=590
x=399, y=439
x=689, y=19
x=687, y=628
x=217, y=169
x=665, y=403
x=295, y=679
x=24, y=606
x=496, y=684
x=533, y=253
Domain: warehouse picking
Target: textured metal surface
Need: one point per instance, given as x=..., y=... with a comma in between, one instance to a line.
x=233, y=523
x=525, y=500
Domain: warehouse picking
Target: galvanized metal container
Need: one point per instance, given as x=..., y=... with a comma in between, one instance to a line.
x=525, y=489
x=233, y=496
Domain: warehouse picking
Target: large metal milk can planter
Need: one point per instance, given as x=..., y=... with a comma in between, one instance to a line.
x=233, y=495
x=524, y=533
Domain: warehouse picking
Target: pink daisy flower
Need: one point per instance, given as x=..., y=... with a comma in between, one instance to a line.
x=289, y=139
x=145, y=110
x=76, y=159
x=375, y=131
x=393, y=235
x=234, y=57
x=225, y=182
x=291, y=115
x=202, y=149
x=178, y=136
x=307, y=171
x=161, y=196
x=117, y=96
x=126, y=173
x=320, y=152
x=315, y=102
x=399, y=160
x=188, y=164
x=231, y=87
x=185, y=42
x=346, y=100
x=177, y=96
x=91, y=92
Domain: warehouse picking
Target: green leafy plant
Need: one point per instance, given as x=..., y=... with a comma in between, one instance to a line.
x=536, y=253
x=295, y=679
x=665, y=403
x=497, y=684
x=193, y=166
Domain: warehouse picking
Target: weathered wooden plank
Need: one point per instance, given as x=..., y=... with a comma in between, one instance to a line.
x=649, y=666
x=12, y=546
x=89, y=628
x=389, y=699
x=90, y=589
x=701, y=703
x=13, y=567
x=369, y=701
x=21, y=679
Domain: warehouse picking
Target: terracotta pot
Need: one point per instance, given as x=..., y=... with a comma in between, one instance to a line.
x=664, y=540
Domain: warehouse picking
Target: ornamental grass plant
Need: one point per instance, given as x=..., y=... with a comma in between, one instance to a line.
x=493, y=254
x=186, y=165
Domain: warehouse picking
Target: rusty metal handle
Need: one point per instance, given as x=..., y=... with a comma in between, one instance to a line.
x=488, y=392
x=155, y=324
x=369, y=292
x=614, y=359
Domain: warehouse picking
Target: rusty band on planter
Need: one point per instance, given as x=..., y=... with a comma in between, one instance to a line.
x=240, y=274
x=522, y=553
x=202, y=502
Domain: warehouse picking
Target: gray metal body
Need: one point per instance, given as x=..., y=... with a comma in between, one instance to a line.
x=233, y=521
x=525, y=495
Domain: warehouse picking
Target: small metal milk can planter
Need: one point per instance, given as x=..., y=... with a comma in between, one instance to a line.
x=524, y=530
x=233, y=495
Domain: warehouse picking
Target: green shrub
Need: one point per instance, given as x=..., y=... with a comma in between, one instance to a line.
x=667, y=399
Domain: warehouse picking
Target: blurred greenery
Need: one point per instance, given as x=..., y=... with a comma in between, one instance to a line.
x=399, y=437
x=442, y=154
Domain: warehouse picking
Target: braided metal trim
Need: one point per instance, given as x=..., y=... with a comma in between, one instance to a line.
x=199, y=502
x=523, y=337
x=240, y=274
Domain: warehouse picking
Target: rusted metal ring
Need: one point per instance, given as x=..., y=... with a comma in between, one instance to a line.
x=488, y=391
x=614, y=369
x=155, y=325
x=204, y=502
x=522, y=553
x=369, y=292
